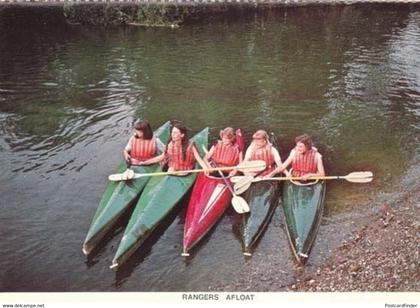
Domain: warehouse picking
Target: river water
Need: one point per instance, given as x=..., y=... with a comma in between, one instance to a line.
x=349, y=76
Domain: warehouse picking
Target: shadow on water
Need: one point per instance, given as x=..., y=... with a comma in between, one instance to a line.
x=263, y=198
x=143, y=252
x=254, y=247
x=236, y=226
x=116, y=230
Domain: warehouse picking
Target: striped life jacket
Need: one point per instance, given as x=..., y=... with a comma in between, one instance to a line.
x=266, y=155
x=142, y=149
x=304, y=163
x=174, y=155
x=225, y=155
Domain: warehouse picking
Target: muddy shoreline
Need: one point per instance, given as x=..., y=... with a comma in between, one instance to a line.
x=371, y=250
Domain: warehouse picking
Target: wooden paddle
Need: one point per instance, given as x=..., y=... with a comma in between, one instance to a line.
x=253, y=165
x=239, y=204
x=242, y=183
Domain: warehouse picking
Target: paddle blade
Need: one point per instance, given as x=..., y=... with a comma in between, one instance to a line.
x=251, y=166
x=237, y=178
x=240, y=205
x=242, y=185
x=360, y=174
x=126, y=175
x=116, y=177
x=360, y=177
x=359, y=180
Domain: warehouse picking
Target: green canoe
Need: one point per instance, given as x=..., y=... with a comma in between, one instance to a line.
x=263, y=198
x=159, y=197
x=118, y=197
x=303, y=207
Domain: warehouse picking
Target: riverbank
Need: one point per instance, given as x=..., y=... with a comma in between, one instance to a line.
x=382, y=256
x=157, y=13
x=378, y=253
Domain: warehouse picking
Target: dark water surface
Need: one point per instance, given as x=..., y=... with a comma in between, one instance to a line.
x=350, y=76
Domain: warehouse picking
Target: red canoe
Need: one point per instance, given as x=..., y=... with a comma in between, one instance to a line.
x=209, y=199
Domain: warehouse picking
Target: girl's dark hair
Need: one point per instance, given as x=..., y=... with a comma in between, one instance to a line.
x=183, y=130
x=305, y=139
x=144, y=126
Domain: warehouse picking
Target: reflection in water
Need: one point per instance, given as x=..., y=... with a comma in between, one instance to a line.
x=350, y=76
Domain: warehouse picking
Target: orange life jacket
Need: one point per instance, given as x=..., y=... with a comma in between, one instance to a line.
x=225, y=155
x=174, y=155
x=266, y=155
x=143, y=149
x=304, y=163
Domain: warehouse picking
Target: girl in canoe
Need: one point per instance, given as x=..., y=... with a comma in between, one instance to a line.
x=179, y=154
x=261, y=149
x=305, y=159
x=142, y=145
x=226, y=152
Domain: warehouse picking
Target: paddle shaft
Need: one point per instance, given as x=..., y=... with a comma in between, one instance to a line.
x=227, y=184
x=360, y=175
x=329, y=177
x=223, y=177
x=286, y=178
x=138, y=175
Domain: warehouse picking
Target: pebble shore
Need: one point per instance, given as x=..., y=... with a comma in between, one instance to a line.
x=382, y=255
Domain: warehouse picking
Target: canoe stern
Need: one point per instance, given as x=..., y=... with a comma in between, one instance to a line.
x=303, y=207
